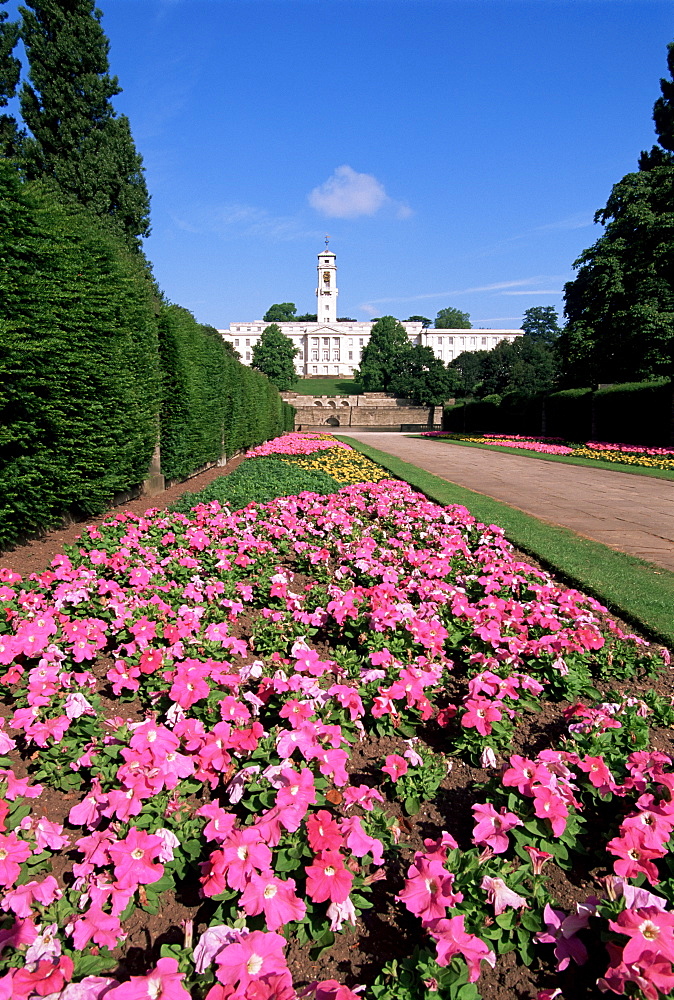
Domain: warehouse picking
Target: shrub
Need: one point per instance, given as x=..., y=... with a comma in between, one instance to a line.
x=79, y=363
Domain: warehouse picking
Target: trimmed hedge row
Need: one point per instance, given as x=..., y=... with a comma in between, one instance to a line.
x=212, y=405
x=634, y=412
x=93, y=368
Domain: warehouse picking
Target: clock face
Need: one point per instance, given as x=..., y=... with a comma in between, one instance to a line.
x=326, y=277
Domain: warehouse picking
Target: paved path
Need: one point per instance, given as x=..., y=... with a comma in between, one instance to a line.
x=634, y=514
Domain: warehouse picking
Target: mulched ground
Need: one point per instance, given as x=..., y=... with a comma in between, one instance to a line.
x=385, y=932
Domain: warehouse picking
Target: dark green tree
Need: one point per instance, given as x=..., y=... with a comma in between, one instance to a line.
x=541, y=324
x=468, y=365
x=423, y=378
x=306, y=318
x=280, y=312
x=77, y=141
x=274, y=355
x=381, y=357
x=526, y=366
x=452, y=319
x=424, y=320
x=620, y=306
x=10, y=70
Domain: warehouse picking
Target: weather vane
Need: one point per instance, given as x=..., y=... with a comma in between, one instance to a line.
x=327, y=240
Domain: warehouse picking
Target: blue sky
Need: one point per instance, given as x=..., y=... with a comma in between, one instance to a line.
x=454, y=150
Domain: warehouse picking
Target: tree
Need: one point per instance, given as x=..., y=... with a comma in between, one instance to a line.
x=380, y=359
x=280, y=312
x=424, y=320
x=541, y=324
x=526, y=366
x=422, y=377
x=77, y=141
x=620, y=306
x=274, y=355
x=468, y=365
x=10, y=70
x=452, y=319
x=306, y=318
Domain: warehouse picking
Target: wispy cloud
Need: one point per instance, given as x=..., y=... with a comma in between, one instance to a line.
x=498, y=287
x=348, y=194
x=581, y=220
x=537, y=291
x=236, y=219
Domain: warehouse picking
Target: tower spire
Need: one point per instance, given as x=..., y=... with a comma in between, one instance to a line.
x=326, y=292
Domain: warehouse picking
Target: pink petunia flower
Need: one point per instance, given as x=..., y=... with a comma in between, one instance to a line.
x=327, y=878
x=395, y=766
x=163, y=982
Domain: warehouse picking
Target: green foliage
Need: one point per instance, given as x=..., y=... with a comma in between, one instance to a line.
x=541, y=323
x=423, y=377
x=424, y=320
x=195, y=379
x=526, y=366
x=76, y=139
x=10, y=70
x=257, y=481
x=78, y=360
x=452, y=319
x=380, y=360
x=620, y=306
x=212, y=405
x=281, y=312
x=274, y=356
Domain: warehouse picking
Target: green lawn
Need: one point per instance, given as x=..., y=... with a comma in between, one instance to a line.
x=327, y=387
x=637, y=591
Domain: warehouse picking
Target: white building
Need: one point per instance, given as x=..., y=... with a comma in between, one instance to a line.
x=332, y=347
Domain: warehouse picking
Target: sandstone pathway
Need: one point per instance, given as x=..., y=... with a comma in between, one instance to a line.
x=634, y=514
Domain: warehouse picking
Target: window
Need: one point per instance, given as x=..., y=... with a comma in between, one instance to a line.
x=484, y=340
x=350, y=355
x=361, y=341
x=473, y=341
x=335, y=341
x=314, y=370
x=350, y=341
x=335, y=355
x=326, y=341
x=439, y=340
x=314, y=355
x=247, y=355
x=326, y=355
x=236, y=342
x=314, y=340
x=450, y=340
x=248, y=343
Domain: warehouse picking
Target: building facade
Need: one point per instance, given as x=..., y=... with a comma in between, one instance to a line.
x=334, y=347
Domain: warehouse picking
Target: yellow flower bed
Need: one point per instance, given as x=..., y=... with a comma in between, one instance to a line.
x=623, y=458
x=345, y=466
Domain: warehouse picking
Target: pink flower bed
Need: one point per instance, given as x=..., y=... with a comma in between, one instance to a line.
x=260, y=648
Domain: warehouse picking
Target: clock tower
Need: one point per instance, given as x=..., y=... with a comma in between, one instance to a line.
x=326, y=292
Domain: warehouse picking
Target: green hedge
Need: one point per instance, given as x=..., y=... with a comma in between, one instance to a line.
x=79, y=375
x=94, y=371
x=634, y=412
x=568, y=414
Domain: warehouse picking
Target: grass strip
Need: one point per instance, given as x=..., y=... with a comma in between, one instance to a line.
x=336, y=386
x=639, y=592
x=258, y=480
x=591, y=463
